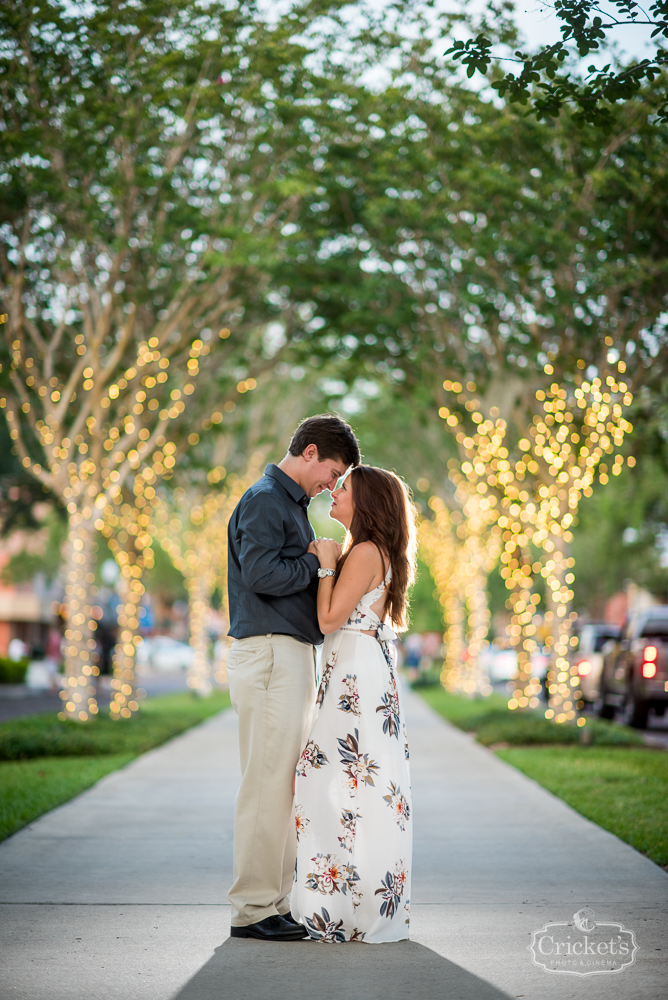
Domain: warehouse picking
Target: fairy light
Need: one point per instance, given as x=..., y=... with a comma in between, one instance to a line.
x=193, y=532
x=538, y=486
x=490, y=477
x=461, y=551
x=439, y=547
x=128, y=528
x=78, y=692
x=482, y=478
x=96, y=428
x=571, y=435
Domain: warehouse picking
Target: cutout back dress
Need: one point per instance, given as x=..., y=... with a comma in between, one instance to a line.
x=352, y=791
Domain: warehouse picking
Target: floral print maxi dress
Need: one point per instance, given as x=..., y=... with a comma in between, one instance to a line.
x=352, y=792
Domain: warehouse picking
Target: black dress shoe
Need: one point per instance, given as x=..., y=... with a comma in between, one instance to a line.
x=291, y=920
x=273, y=928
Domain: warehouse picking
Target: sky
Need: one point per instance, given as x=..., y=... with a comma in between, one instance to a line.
x=540, y=26
x=536, y=20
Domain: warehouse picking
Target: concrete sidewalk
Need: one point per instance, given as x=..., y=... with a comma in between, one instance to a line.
x=122, y=892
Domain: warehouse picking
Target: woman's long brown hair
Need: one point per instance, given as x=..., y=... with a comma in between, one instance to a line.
x=384, y=514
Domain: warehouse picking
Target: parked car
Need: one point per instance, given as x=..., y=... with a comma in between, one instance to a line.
x=635, y=670
x=593, y=639
x=500, y=664
x=164, y=654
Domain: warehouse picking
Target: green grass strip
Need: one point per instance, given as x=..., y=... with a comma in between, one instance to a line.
x=462, y=712
x=45, y=762
x=494, y=724
x=30, y=788
x=622, y=790
x=158, y=720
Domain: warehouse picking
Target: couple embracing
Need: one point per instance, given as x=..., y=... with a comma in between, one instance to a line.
x=322, y=829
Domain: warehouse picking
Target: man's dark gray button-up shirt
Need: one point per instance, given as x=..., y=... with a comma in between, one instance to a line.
x=272, y=580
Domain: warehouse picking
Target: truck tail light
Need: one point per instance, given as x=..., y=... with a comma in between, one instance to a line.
x=648, y=669
x=650, y=653
x=584, y=668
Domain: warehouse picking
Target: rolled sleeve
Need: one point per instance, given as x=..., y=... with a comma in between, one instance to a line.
x=313, y=562
x=264, y=567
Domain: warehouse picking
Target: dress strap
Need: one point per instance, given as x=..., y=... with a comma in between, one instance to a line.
x=388, y=576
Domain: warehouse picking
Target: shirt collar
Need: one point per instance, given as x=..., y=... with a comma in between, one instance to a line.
x=288, y=484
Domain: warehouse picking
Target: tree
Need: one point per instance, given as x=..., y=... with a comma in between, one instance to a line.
x=489, y=251
x=531, y=489
x=622, y=527
x=126, y=522
x=194, y=535
x=470, y=243
x=548, y=83
x=149, y=165
x=462, y=548
x=190, y=519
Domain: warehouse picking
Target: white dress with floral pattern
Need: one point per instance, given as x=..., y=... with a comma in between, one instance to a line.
x=352, y=792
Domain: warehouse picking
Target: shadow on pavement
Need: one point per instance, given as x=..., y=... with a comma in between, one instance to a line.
x=256, y=970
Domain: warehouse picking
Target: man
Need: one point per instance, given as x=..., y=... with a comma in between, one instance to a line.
x=272, y=584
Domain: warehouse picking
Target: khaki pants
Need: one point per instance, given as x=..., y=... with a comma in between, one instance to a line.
x=272, y=687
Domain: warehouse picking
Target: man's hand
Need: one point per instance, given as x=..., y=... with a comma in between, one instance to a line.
x=311, y=548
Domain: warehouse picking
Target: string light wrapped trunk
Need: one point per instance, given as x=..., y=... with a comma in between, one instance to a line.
x=127, y=259
x=81, y=668
x=192, y=530
x=538, y=488
x=95, y=424
x=438, y=544
x=485, y=488
x=567, y=442
x=127, y=526
x=479, y=555
x=460, y=555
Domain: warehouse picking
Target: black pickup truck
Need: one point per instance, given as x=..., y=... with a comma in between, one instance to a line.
x=635, y=669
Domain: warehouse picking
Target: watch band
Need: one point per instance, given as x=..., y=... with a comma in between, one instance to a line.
x=322, y=573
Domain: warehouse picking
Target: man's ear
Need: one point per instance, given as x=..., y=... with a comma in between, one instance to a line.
x=310, y=452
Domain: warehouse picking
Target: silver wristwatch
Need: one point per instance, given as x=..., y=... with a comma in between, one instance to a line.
x=322, y=573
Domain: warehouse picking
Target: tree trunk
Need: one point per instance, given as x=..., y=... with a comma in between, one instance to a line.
x=200, y=588
x=521, y=633
x=562, y=683
x=124, y=700
x=476, y=679
x=444, y=555
x=78, y=695
x=131, y=546
x=453, y=674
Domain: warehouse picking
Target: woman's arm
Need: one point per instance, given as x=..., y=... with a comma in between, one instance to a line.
x=337, y=601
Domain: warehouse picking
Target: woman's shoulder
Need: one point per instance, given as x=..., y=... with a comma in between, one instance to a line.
x=368, y=554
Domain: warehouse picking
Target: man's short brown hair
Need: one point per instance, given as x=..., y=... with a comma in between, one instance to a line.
x=332, y=436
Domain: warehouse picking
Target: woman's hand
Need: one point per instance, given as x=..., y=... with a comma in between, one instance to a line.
x=336, y=600
x=328, y=552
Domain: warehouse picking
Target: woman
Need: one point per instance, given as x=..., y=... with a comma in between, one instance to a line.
x=352, y=789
